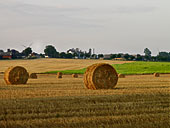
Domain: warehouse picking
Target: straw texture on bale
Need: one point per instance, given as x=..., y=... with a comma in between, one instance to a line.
x=59, y=75
x=100, y=76
x=156, y=74
x=16, y=75
x=121, y=76
x=33, y=76
x=75, y=75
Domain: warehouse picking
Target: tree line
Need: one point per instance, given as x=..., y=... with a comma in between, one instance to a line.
x=51, y=52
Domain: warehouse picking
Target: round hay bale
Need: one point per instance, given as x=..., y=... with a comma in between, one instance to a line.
x=16, y=75
x=156, y=74
x=59, y=74
x=100, y=76
x=121, y=76
x=75, y=75
x=33, y=76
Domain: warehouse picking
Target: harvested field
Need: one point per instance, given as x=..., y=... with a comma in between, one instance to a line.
x=138, y=101
x=43, y=65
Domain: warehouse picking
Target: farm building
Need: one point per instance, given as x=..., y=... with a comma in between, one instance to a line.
x=5, y=55
x=107, y=56
x=10, y=54
x=119, y=59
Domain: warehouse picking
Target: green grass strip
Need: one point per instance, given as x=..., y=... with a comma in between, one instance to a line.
x=130, y=68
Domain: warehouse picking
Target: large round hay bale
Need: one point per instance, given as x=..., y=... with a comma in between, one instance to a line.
x=16, y=75
x=75, y=75
x=156, y=74
x=33, y=76
x=121, y=76
x=100, y=76
x=59, y=74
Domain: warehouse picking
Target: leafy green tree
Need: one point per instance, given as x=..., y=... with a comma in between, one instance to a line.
x=147, y=57
x=163, y=56
x=126, y=56
x=82, y=55
x=27, y=51
x=131, y=57
x=154, y=58
x=62, y=55
x=41, y=55
x=100, y=55
x=147, y=52
x=139, y=57
x=75, y=55
x=119, y=55
x=15, y=54
x=69, y=55
x=51, y=51
x=65, y=55
x=1, y=50
x=113, y=56
x=87, y=55
x=94, y=56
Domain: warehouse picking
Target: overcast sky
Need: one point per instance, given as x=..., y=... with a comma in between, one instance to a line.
x=109, y=26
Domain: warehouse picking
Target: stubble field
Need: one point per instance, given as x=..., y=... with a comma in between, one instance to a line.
x=44, y=65
x=141, y=101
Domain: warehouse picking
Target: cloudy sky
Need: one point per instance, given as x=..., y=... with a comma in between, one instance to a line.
x=109, y=26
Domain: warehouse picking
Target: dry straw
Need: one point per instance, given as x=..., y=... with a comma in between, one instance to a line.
x=156, y=74
x=59, y=75
x=75, y=75
x=100, y=76
x=33, y=76
x=121, y=76
x=16, y=75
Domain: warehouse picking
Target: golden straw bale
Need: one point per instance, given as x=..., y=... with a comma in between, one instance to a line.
x=33, y=76
x=156, y=74
x=59, y=75
x=75, y=75
x=100, y=76
x=16, y=75
x=87, y=77
x=121, y=76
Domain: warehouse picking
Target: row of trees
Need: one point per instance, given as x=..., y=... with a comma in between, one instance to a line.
x=162, y=56
x=51, y=52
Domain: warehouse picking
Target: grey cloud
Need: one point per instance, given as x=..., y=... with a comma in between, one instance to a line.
x=36, y=15
x=30, y=9
x=46, y=10
x=134, y=9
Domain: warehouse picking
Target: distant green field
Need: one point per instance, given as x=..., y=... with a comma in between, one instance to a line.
x=131, y=68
